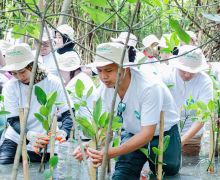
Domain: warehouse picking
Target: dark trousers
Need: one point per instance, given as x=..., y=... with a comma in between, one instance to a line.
x=8, y=151
x=129, y=166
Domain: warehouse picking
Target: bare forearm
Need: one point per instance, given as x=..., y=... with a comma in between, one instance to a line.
x=134, y=143
x=191, y=132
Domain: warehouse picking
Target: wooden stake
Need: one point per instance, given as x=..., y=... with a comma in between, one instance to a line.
x=24, y=147
x=92, y=169
x=160, y=146
x=211, y=168
x=53, y=138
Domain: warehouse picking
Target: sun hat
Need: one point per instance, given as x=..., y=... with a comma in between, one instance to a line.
x=122, y=38
x=45, y=36
x=66, y=29
x=69, y=61
x=4, y=45
x=17, y=57
x=192, y=62
x=108, y=53
x=150, y=40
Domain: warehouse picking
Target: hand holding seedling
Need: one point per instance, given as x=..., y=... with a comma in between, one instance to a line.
x=96, y=156
x=78, y=154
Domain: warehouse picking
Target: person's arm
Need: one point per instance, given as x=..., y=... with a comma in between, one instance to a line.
x=191, y=132
x=137, y=141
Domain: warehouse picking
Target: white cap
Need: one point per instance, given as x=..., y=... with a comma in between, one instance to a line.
x=17, y=57
x=122, y=39
x=192, y=62
x=110, y=53
x=45, y=36
x=69, y=61
x=150, y=40
x=66, y=29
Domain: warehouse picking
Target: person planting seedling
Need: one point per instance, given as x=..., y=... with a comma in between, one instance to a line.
x=19, y=62
x=190, y=85
x=140, y=101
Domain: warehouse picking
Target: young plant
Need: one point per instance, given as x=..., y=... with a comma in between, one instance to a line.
x=157, y=152
x=44, y=116
x=95, y=126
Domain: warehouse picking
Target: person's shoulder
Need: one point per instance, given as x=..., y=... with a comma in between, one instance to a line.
x=10, y=83
x=204, y=78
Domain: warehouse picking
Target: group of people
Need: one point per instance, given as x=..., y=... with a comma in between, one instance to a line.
x=143, y=91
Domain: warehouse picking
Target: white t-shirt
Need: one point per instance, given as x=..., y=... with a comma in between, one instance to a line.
x=155, y=68
x=200, y=88
x=49, y=63
x=145, y=98
x=15, y=97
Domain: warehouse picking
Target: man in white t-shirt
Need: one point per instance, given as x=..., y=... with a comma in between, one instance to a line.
x=188, y=80
x=142, y=99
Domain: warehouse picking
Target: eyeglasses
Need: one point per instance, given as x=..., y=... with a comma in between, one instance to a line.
x=121, y=108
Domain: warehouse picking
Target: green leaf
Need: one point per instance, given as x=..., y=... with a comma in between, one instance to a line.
x=89, y=92
x=166, y=1
x=211, y=106
x=4, y=112
x=59, y=103
x=169, y=85
x=116, y=141
x=44, y=111
x=213, y=17
x=46, y=125
x=145, y=151
x=53, y=161
x=180, y=32
x=97, y=15
x=79, y=88
x=166, y=142
x=103, y=120
x=51, y=100
x=99, y=3
x=202, y=105
x=97, y=110
x=1, y=98
x=47, y=174
x=39, y=117
x=41, y=95
x=132, y=1
x=115, y=124
x=84, y=123
x=18, y=29
x=83, y=103
x=76, y=106
x=156, y=151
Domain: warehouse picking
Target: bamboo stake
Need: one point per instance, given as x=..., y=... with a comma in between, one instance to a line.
x=160, y=146
x=108, y=138
x=26, y=113
x=53, y=138
x=24, y=147
x=93, y=175
x=211, y=168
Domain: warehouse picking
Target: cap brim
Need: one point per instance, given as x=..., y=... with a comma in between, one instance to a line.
x=15, y=66
x=98, y=64
x=190, y=69
x=68, y=69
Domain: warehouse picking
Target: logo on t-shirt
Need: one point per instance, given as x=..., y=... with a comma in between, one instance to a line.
x=137, y=115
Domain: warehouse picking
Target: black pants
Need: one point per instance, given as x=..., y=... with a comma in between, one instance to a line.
x=129, y=166
x=8, y=151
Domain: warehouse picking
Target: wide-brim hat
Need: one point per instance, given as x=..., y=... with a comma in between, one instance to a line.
x=66, y=30
x=109, y=53
x=122, y=39
x=150, y=40
x=17, y=57
x=192, y=62
x=69, y=61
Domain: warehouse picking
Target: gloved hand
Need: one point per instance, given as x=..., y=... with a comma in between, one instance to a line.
x=37, y=140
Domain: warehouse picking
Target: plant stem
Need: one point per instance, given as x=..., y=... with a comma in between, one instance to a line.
x=108, y=139
x=24, y=148
x=160, y=157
